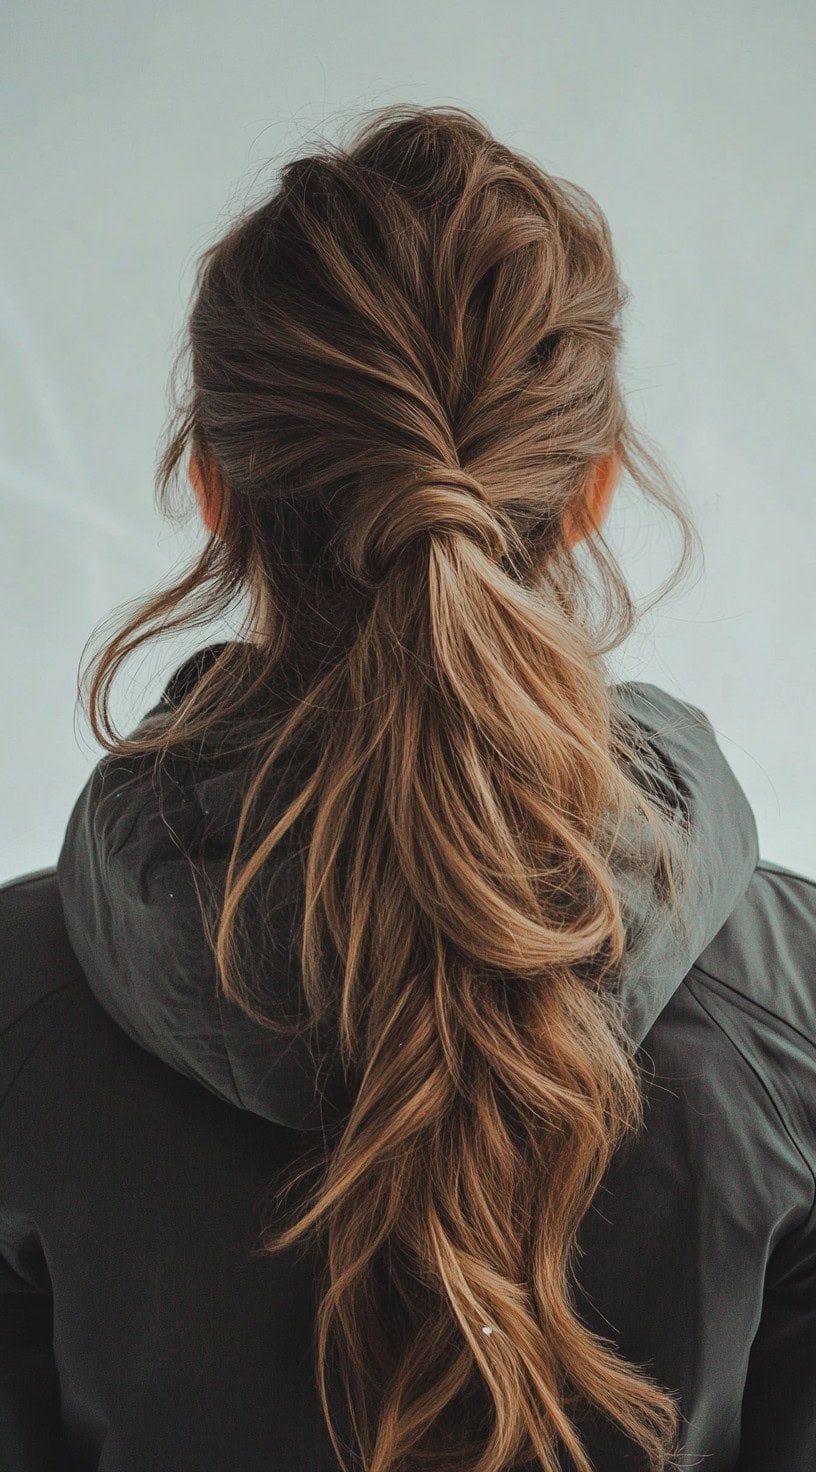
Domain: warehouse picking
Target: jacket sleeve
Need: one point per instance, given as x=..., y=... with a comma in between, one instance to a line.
x=30, y=1414
x=30, y=1427
x=779, y=1401
x=38, y=973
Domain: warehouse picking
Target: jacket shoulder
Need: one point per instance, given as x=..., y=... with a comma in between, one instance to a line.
x=37, y=957
x=756, y=981
x=765, y=953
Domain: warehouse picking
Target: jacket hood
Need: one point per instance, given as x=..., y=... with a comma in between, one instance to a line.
x=132, y=911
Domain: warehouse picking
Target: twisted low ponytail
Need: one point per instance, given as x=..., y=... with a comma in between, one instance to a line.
x=499, y=1078
x=404, y=372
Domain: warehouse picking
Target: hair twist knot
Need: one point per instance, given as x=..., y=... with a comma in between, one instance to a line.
x=444, y=500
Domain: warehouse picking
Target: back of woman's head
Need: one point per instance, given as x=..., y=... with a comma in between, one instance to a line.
x=404, y=372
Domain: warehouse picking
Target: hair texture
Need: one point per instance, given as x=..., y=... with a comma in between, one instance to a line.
x=404, y=368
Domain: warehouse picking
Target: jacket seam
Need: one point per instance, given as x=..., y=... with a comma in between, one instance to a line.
x=751, y=1002
x=66, y=986
x=74, y=979
x=758, y=1076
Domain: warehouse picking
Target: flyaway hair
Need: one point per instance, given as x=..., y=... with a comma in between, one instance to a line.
x=403, y=372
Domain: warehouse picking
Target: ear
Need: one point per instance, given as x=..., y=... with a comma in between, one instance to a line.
x=603, y=487
x=595, y=501
x=207, y=500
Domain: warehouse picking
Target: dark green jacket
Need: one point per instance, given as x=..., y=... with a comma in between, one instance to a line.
x=144, y=1122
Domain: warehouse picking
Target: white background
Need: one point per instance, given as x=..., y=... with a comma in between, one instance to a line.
x=131, y=133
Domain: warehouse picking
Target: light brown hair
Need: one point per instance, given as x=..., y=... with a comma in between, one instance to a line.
x=404, y=367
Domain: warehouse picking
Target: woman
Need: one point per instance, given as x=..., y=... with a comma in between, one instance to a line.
x=450, y=927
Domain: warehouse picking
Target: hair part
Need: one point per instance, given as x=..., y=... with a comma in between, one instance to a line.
x=403, y=371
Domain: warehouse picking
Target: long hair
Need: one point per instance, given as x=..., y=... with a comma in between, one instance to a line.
x=403, y=370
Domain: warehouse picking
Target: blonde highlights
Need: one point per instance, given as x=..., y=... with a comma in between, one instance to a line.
x=403, y=371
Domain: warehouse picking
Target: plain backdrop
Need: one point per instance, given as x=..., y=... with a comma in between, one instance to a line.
x=132, y=132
